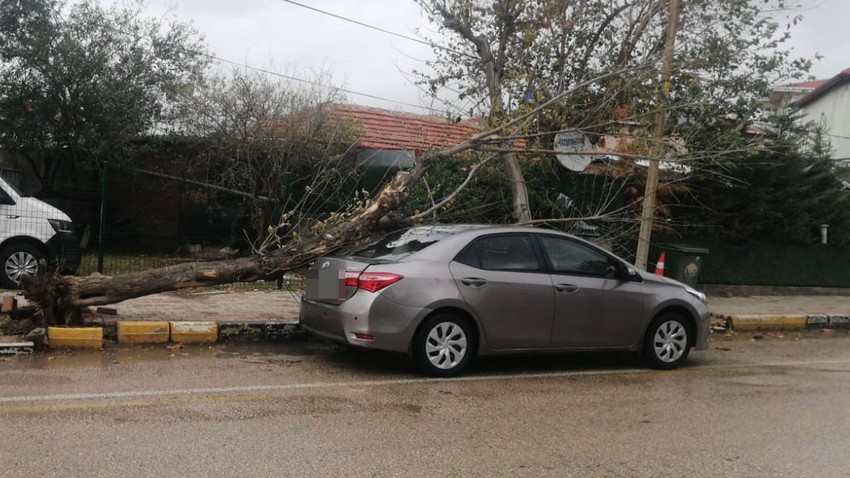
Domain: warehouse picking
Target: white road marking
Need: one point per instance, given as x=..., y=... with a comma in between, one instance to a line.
x=380, y=383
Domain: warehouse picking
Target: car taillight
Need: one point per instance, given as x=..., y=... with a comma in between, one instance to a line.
x=371, y=281
x=351, y=278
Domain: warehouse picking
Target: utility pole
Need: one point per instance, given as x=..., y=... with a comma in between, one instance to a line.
x=648, y=212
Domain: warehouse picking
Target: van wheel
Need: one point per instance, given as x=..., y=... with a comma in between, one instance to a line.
x=18, y=261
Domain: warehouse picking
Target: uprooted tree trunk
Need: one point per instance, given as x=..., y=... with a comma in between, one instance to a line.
x=60, y=299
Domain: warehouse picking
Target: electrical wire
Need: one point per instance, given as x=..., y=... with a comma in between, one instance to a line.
x=382, y=30
x=288, y=77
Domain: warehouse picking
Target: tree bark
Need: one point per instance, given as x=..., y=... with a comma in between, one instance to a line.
x=493, y=67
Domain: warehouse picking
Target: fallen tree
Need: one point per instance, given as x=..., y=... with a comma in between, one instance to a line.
x=60, y=298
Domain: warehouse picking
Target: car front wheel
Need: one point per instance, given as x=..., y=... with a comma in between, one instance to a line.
x=444, y=345
x=668, y=342
x=18, y=261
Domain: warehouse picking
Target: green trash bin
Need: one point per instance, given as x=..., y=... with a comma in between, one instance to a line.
x=683, y=262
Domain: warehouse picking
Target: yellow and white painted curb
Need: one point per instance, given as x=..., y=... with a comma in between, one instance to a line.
x=159, y=332
x=787, y=321
x=75, y=337
x=194, y=332
x=146, y=332
x=768, y=322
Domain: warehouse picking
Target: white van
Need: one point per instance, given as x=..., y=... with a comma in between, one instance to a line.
x=32, y=231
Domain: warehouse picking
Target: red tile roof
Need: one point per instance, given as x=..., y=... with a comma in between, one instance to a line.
x=827, y=85
x=385, y=129
x=811, y=84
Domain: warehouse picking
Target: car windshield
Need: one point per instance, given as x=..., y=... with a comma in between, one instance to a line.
x=405, y=242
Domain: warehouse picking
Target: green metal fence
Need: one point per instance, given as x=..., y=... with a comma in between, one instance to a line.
x=773, y=264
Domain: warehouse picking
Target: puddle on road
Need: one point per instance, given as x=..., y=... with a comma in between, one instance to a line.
x=117, y=354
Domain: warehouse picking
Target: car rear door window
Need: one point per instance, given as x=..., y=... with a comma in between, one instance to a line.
x=501, y=253
x=569, y=257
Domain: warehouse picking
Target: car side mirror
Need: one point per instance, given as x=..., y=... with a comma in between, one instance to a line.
x=633, y=275
x=626, y=273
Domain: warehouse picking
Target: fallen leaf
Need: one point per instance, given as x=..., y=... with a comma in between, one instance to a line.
x=177, y=346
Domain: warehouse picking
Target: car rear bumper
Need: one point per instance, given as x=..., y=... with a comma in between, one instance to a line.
x=391, y=326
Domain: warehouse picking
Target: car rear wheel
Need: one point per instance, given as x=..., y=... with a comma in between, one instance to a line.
x=444, y=345
x=668, y=342
x=18, y=261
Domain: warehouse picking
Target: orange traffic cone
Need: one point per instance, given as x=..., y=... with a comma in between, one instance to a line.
x=659, y=266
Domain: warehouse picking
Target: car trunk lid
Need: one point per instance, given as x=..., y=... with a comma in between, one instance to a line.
x=326, y=278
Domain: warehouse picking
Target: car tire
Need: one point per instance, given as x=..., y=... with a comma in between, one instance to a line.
x=16, y=261
x=444, y=345
x=667, y=342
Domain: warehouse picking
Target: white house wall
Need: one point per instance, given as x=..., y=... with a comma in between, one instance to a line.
x=832, y=111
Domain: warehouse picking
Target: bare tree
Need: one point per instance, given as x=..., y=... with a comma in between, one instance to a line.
x=491, y=59
x=277, y=141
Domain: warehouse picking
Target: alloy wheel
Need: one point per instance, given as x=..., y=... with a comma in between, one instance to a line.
x=21, y=264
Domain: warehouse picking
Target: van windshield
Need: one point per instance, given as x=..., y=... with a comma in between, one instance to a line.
x=9, y=186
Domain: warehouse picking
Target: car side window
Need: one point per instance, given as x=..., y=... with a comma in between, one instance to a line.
x=568, y=257
x=504, y=253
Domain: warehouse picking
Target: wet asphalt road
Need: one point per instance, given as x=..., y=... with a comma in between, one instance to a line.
x=778, y=407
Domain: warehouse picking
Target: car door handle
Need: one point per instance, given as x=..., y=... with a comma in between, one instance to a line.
x=474, y=281
x=12, y=217
x=566, y=287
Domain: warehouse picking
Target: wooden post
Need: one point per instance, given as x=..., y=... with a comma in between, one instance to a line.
x=648, y=211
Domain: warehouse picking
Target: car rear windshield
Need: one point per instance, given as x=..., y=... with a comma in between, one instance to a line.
x=406, y=242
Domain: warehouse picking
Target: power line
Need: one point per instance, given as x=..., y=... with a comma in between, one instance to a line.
x=281, y=75
x=309, y=82
x=382, y=30
x=288, y=77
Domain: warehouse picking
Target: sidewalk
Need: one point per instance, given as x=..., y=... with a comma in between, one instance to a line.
x=283, y=306
x=273, y=315
x=272, y=306
x=786, y=305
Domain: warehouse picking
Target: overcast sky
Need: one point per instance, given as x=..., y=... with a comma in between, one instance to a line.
x=295, y=40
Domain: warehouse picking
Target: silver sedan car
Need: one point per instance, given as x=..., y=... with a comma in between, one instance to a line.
x=444, y=294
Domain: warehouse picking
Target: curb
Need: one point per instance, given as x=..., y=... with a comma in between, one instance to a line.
x=786, y=322
x=75, y=337
x=143, y=332
x=17, y=348
x=194, y=332
x=158, y=332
